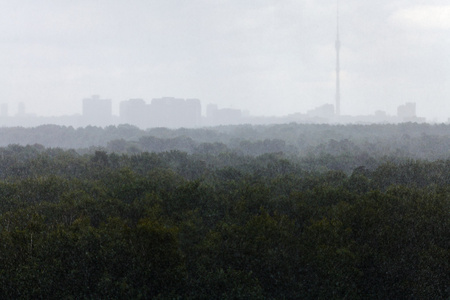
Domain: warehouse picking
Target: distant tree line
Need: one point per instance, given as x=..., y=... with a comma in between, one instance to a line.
x=409, y=140
x=222, y=223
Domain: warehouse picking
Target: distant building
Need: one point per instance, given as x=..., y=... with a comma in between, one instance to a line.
x=407, y=111
x=134, y=112
x=162, y=112
x=380, y=113
x=325, y=111
x=223, y=116
x=194, y=111
x=97, y=111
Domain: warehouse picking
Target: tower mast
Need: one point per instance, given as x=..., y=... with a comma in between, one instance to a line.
x=338, y=46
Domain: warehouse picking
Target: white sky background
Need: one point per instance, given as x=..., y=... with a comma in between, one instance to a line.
x=271, y=57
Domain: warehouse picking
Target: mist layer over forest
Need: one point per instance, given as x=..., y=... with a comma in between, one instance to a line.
x=286, y=211
x=407, y=139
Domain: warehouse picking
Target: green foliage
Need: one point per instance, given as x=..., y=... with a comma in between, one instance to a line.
x=220, y=224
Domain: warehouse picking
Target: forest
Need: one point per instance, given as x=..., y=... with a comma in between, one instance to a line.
x=291, y=211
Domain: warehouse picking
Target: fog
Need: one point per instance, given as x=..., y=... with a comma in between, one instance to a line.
x=271, y=58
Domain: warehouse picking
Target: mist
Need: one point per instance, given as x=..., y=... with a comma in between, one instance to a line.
x=268, y=58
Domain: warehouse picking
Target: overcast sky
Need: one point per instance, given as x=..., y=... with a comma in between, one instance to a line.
x=271, y=57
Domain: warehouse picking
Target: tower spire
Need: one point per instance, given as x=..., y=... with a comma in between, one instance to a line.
x=338, y=46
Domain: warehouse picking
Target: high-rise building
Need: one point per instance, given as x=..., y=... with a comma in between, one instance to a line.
x=162, y=112
x=134, y=112
x=222, y=116
x=194, y=113
x=325, y=111
x=407, y=111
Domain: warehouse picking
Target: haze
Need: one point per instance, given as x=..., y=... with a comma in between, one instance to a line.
x=268, y=57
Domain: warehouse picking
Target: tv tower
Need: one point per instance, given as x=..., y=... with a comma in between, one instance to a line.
x=338, y=46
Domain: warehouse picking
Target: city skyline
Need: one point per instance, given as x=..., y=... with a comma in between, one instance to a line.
x=171, y=112
x=269, y=58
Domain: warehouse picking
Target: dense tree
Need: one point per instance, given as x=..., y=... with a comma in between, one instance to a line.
x=218, y=222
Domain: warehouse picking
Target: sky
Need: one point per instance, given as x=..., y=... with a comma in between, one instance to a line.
x=270, y=57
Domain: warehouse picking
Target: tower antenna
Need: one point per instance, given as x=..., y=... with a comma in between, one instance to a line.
x=338, y=46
